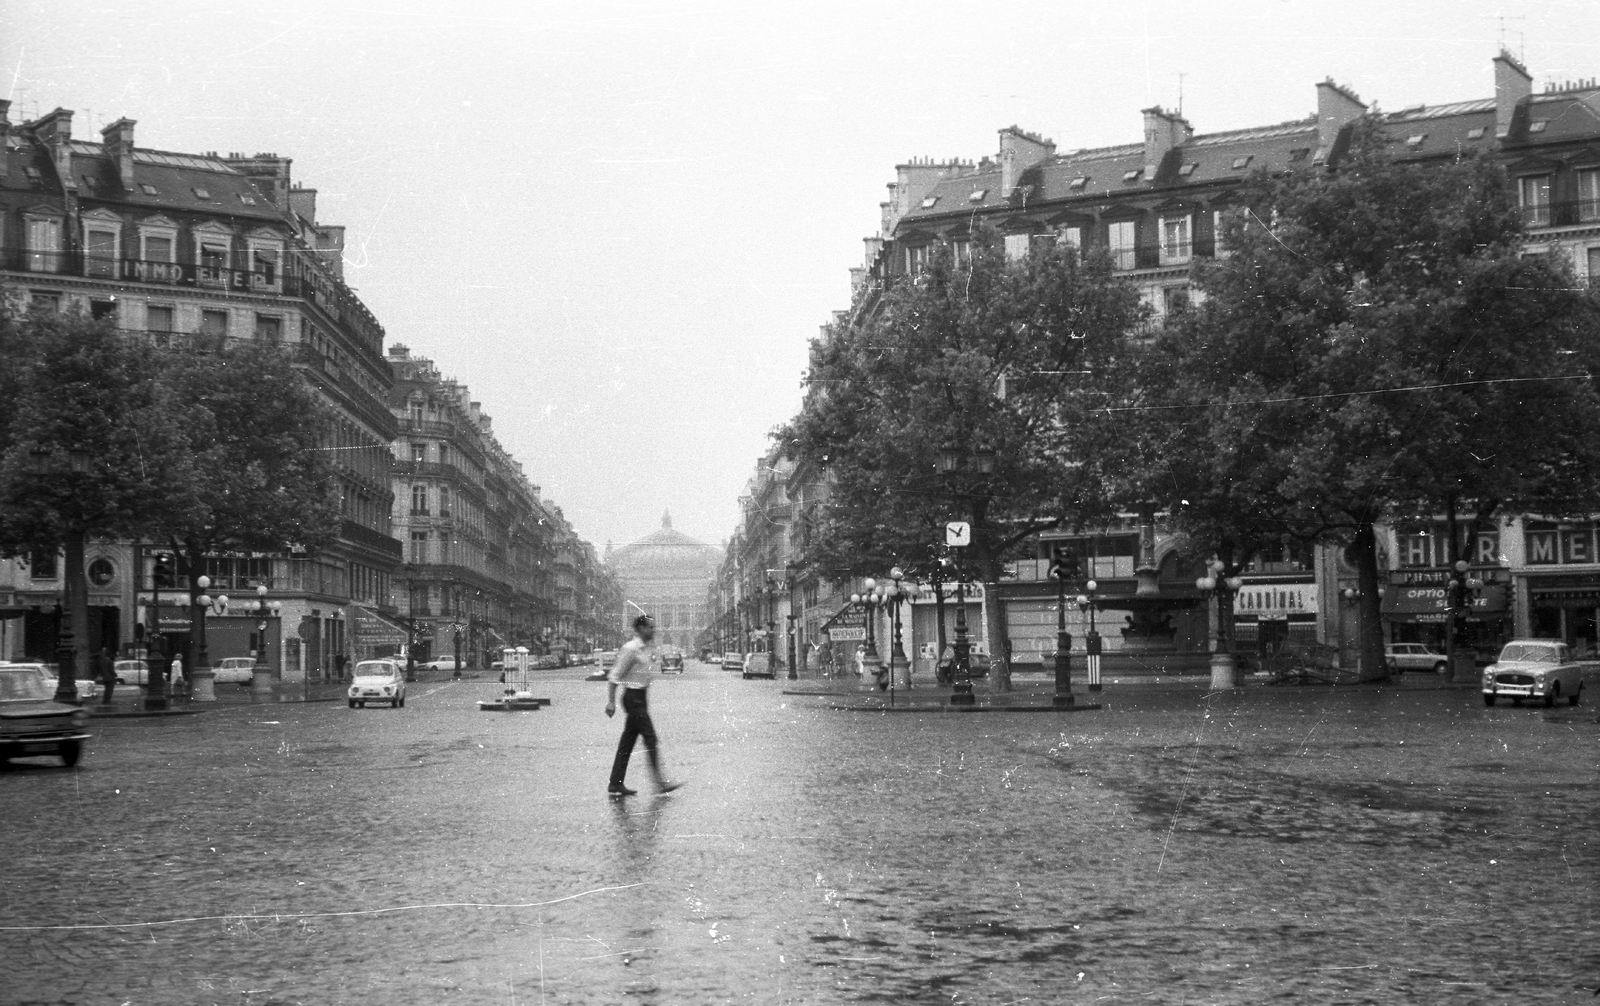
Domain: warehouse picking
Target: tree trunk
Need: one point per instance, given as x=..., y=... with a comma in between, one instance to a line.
x=994, y=616
x=76, y=609
x=1369, y=622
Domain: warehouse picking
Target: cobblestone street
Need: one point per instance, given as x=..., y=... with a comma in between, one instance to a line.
x=1355, y=845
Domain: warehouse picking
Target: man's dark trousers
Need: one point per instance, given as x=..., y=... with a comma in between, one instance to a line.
x=637, y=725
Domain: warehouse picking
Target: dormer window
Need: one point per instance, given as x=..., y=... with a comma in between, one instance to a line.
x=1415, y=139
x=88, y=182
x=201, y=193
x=929, y=202
x=33, y=173
x=1132, y=174
x=1475, y=133
x=1240, y=163
x=147, y=188
x=1078, y=183
x=1537, y=127
x=1186, y=170
x=977, y=195
x=248, y=200
x=1299, y=153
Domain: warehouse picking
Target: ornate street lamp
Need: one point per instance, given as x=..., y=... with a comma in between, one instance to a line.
x=1224, y=669
x=949, y=462
x=871, y=663
x=794, y=663
x=899, y=666
x=155, y=660
x=1091, y=640
x=1062, y=568
x=201, y=686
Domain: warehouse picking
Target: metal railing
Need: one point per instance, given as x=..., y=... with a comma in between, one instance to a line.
x=1562, y=213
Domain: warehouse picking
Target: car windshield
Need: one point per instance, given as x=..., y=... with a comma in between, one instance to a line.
x=129, y=665
x=1528, y=653
x=372, y=669
x=18, y=684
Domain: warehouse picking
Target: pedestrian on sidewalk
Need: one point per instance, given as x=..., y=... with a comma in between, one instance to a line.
x=105, y=669
x=631, y=673
x=175, y=682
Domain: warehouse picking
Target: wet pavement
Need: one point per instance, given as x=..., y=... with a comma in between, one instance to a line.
x=1339, y=845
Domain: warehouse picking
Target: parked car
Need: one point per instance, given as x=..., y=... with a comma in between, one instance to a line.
x=87, y=688
x=441, y=664
x=378, y=681
x=733, y=661
x=1415, y=657
x=758, y=665
x=1533, y=668
x=711, y=658
x=32, y=722
x=131, y=672
x=234, y=671
x=672, y=663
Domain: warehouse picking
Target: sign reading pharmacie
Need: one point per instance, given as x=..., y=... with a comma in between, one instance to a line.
x=1276, y=601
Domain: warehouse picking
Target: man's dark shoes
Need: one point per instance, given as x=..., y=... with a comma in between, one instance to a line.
x=617, y=789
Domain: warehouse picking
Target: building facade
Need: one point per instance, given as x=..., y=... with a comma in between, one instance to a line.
x=1154, y=207
x=666, y=574
x=174, y=246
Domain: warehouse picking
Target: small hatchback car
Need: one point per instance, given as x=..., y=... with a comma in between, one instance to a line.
x=1414, y=657
x=234, y=670
x=378, y=681
x=32, y=722
x=1533, y=669
x=672, y=663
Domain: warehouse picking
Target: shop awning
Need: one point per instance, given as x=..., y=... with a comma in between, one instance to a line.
x=373, y=629
x=1427, y=602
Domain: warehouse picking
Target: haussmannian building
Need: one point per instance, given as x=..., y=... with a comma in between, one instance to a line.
x=666, y=574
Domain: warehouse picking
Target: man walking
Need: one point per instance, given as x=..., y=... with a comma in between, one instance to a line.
x=631, y=673
x=105, y=668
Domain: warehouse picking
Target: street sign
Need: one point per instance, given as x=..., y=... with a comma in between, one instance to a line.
x=958, y=534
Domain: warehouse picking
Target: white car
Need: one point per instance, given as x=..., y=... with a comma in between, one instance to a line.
x=131, y=672
x=234, y=671
x=1533, y=668
x=378, y=681
x=86, y=688
x=441, y=664
x=1415, y=657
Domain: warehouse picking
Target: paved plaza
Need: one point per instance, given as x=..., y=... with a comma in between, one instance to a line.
x=1350, y=845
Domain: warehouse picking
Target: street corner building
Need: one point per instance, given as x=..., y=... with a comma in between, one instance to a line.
x=185, y=249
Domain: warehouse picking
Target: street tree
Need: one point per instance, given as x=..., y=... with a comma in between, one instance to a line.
x=987, y=360
x=1375, y=344
x=88, y=448
x=260, y=452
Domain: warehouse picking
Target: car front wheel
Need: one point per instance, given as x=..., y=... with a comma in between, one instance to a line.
x=70, y=752
x=1439, y=668
x=1488, y=698
x=1572, y=699
x=352, y=703
x=1551, y=696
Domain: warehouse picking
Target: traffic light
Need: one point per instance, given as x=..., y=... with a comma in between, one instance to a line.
x=161, y=574
x=1063, y=564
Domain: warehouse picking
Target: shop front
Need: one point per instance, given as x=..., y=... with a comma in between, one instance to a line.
x=1416, y=607
x=1269, y=613
x=1566, y=607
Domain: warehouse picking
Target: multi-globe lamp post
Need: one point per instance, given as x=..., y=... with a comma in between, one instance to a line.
x=895, y=593
x=1087, y=602
x=1224, y=670
x=871, y=663
x=202, y=687
x=264, y=610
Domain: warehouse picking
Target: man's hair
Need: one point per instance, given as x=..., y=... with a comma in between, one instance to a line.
x=643, y=621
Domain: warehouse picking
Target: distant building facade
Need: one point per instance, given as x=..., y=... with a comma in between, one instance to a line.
x=666, y=574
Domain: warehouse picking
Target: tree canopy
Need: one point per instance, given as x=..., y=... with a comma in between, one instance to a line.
x=980, y=353
x=1376, y=343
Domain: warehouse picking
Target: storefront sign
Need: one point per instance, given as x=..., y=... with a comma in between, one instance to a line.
x=373, y=629
x=1276, y=600
x=849, y=624
x=1428, y=600
x=1407, y=577
x=925, y=593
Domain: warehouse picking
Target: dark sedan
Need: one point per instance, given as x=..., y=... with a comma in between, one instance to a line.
x=32, y=722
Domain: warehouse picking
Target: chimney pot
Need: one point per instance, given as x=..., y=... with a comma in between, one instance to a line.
x=1512, y=84
x=117, y=141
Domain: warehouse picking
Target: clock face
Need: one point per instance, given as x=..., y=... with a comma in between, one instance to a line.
x=958, y=534
x=101, y=572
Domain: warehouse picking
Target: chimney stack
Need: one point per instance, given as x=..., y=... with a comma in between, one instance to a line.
x=5, y=137
x=54, y=130
x=1020, y=151
x=270, y=173
x=1512, y=84
x=1163, y=132
x=117, y=140
x=303, y=202
x=1337, y=107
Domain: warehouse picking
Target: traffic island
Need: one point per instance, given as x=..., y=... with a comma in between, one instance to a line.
x=942, y=704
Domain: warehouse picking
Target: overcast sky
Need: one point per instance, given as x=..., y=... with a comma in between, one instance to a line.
x=621, y=223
